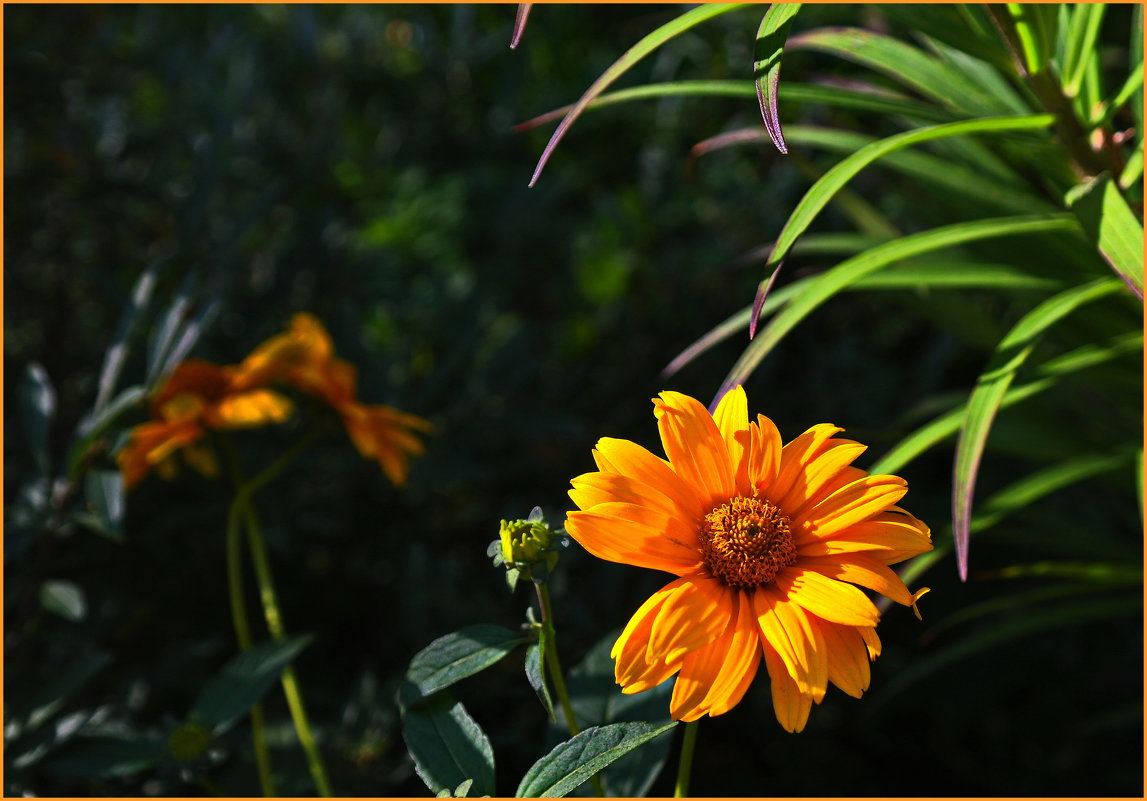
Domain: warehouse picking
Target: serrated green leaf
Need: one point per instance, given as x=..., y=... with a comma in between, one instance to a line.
x=243, y=680
x=990, y=389
x=536, y=673
x=832, y=181
x=848, y=272
x=455, y=656
x=581, y=757
x=63, y=598
x=92, y=757
x=770, y=49
x=644, y=47
x=36, y=399
x=1112, y=226
x=448, y=746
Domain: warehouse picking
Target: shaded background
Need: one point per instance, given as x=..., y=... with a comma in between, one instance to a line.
x=358, y=163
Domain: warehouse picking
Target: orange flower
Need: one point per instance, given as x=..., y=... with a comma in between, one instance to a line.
x=304, y=357
x=197, y=396
x=767, y=543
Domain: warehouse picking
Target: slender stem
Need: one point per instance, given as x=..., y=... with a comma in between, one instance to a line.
x=685, y=766
x=556, y=674
x=243, y=635
x=278, y=633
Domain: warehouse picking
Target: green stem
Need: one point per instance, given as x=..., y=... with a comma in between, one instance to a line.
x=242, y=510
x=685, y=766
x=556, y=674
x=278, y=633
x=243, y=636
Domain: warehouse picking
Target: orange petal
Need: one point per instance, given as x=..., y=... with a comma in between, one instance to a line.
x=795, y=455
x=806, y=487
x=824, y=597
x=847, y=657
x=732, y=419
x=636, y=535
x=694, y=446
x=852, y=504
x=887, y=537
x=787, y=628
x=871, y=641
x=629, y=651
x=715, y=677
x=630, y=459
x=257, y=407
x=860, y=569
x=591, y=489
x=790, y=705
x=694, y=616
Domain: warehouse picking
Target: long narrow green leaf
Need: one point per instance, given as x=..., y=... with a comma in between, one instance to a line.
x=1132, y=88
x=1081, y=37
x=770, y=49
x=846, y=273
x=1049, y=374
x=647, y=45
x=520, y=23
x=910, y=66
x=822, y=191
x=1112, y=226
x=985, y=399
x=1036, y=26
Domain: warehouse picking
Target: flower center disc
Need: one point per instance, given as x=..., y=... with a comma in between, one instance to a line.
x=746, y=541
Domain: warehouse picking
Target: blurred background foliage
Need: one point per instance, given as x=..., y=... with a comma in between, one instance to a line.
x=358, y=162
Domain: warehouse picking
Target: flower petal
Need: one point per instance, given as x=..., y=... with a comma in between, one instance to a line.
x=629, y=459
x=889, y=537
x=871, y=641
x=739, y=658
x=860, y=569
x=732, y=419
x=851, y=504
x=591, y=489
x=692, y=617
x=787, y=628
x=696, y=451
x=794, y=456
x=631, y=669
x=824, y=597
x=248, y=409
x=847, y=657
x=790, y=705
x=822, y=476
x=636, y=535
x=765, y=455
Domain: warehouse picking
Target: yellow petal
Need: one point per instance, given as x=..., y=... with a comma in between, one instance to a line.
x=694, y=446
x=631, y=648
x=823, y=469
x=824, y=597
x=871, y=641
x=591, y=489
x=795, y=455
x=257, y=407
x=787, y=628
x=790, y=705
x=636, y=535
x=732, y=419
x=633, y=461
x=694, y=616
x=741, y=656
x=888, y=537
x=851, y=504
x=765, y=453
x=863, y=570
x=847, y=657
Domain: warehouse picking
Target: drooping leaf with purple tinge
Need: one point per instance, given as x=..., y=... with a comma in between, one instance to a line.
x=520, y=23
x=644, y=47
x=989, y=392
x=770, y=48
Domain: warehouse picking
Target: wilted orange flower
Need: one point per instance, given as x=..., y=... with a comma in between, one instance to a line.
x=767, y=543
x=304, y=357
x=197, y=396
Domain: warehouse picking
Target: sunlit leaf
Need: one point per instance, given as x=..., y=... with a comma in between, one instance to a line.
x=63, y=598
x=1111, y=224
x=1036, y=27
x=455, y=656
x=644, y=47
x=770, y=49
x=448, y=747
x=581, y=757
x=1081, y=36
x=989, y=392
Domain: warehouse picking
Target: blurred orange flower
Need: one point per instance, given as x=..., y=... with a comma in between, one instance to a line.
x=303, y=356
x=767, y=543
x=197, y=396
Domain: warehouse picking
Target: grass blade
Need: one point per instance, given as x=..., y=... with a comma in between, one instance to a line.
x=767, y=66
x=848, y=272
x=520, y=23
x=1036, y=26
x=647, y=45
x=1082, y=34
x=985, y=400
x=832, y=181
x=1111, y=224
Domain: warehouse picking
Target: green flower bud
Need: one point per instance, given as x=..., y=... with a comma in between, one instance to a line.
x=528, y=548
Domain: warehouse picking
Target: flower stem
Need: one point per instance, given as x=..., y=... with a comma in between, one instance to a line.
x=685, y=766
x=556, y=675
